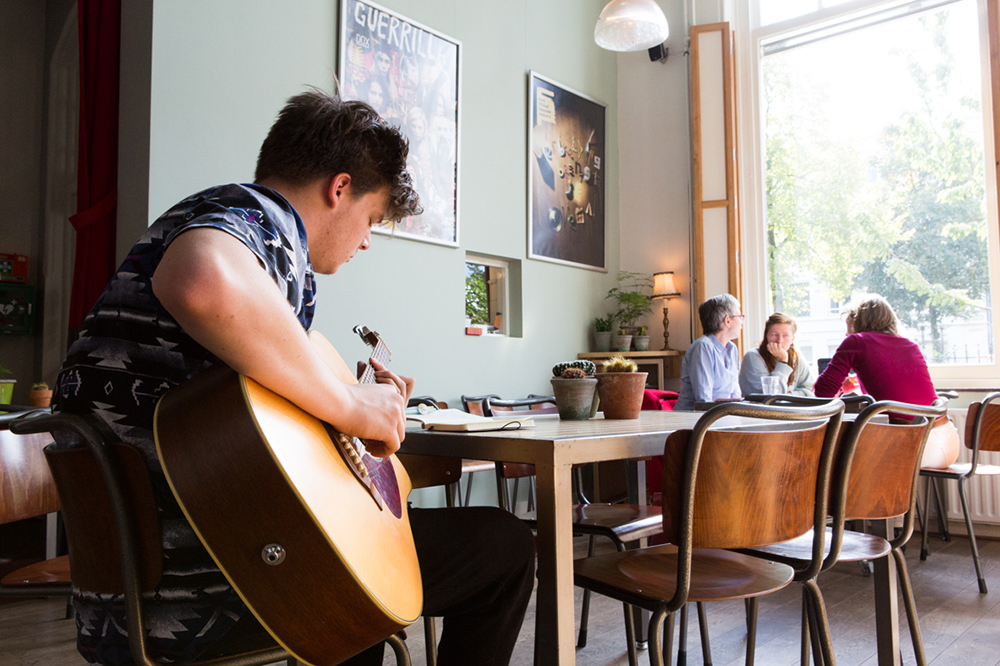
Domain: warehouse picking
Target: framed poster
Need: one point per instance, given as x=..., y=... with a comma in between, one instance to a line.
x=566, y=175
x=411, y=75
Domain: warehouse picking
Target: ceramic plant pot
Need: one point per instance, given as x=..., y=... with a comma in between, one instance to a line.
x=621, y=393
x=622, y=343
x=602, y=341
x=574, y=397
x=640, y=342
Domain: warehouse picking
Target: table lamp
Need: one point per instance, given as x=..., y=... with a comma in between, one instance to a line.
x=663, y=287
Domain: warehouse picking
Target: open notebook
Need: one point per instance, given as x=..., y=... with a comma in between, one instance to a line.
x=456, y=420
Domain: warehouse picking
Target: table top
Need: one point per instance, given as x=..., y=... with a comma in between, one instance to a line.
x=572, y=441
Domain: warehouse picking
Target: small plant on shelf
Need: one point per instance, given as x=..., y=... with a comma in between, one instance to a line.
x=634, y=297
x=642, y=330
x=604, y=324
x=620, y=364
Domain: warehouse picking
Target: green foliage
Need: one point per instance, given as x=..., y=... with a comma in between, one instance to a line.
x=477, y=305
x=4, y=371
x=642, y=330
x=604, y=324
x=39, y=386
x=908, y=223
x=620, y=364
x=633, y=296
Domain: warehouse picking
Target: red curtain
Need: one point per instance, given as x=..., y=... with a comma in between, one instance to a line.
x=97, y=175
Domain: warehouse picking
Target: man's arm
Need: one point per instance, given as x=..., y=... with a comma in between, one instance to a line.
x=702, y=375
x=215, y=288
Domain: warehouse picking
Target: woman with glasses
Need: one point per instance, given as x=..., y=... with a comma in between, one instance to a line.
x=711, y=367
x=776, y=357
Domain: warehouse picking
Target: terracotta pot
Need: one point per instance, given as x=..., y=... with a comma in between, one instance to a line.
x=621, y=393
x=574, y=397
x=40, y=397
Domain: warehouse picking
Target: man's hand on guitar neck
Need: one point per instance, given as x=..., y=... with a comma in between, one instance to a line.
x=402, y=386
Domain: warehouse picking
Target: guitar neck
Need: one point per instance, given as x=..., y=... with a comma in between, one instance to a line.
x=381, y=354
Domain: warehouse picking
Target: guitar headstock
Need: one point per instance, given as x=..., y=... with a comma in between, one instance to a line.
x=380, y=352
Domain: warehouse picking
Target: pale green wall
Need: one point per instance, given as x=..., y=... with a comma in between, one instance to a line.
x=222, y=70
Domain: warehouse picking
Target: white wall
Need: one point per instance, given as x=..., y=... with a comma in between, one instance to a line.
x=217, y=83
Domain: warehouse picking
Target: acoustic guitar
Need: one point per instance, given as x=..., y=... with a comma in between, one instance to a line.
x=311, y=531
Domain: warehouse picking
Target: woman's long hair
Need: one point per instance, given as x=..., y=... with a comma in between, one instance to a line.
x=793, y=356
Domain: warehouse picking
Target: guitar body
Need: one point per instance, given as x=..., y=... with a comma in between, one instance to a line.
x=326, y=564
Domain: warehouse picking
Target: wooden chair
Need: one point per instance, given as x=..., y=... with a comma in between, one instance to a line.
x=730, y=489
x=113, y=532
x=982, y=433
x=853, y=403
x=26, y=491
x=875, y=478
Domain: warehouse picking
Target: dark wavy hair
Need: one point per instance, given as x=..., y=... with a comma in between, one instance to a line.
x=318, y=135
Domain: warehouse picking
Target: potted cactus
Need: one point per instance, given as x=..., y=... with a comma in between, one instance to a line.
x=640, y=341
x=573, y=385
x=602, y=332
x=620, y=387
x=622, y=341
x=40, y=394
x=6, y=387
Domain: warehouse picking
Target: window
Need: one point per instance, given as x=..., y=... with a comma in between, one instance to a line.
x=486, y=294
x=876, y=175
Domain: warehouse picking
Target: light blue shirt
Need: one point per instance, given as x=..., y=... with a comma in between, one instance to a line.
x=709, y=372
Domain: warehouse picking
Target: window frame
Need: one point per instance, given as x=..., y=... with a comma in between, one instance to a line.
x=750, y=40
x=502, y=291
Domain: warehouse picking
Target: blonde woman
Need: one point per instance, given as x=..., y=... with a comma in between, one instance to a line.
x=890, y=367
x=776, y=357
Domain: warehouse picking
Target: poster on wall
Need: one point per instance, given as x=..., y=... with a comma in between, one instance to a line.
x=566, y=175
x=411, y=75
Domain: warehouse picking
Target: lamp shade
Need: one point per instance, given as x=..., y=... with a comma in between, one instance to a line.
x=631, y=25
x=663, y=285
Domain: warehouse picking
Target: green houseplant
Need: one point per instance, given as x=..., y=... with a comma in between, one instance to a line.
x=602, y=332
x=633, y=297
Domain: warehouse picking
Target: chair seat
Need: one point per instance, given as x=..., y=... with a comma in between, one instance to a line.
x=856, y=546
x=47, y=572
x=623, y=522
x=637, y=576
x=958, y=470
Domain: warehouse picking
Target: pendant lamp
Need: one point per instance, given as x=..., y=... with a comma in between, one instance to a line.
x=631, y=25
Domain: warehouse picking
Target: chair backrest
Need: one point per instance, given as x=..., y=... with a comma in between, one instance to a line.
x=91, y=534
x=476, y=404
x=542, y=404
x=982, y=424
x=853, y=403
x=745, y=488
x=26, y=486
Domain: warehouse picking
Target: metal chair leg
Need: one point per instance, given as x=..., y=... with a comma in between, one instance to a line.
x=924, y=549
x=942, y=513
x=512, y=502
x=682, y=643
x=468, y=488
x=633, y=658
x=585, y=609
x=820, y=621
x=911, y=608
x=706, y=647
x=430, y=641
x=501, y=488
x=667, y=658
x=398, y=646
x=972, y=535
x=804, y=638
x=752, y=634
x=654, y=637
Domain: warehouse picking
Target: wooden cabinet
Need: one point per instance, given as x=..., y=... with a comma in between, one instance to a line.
x=659, y=364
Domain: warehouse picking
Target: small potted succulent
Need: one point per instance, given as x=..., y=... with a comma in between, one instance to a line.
x=622, y=341
x=573, y=385
x=640, y=341
x=6, y=387
x=602, y=332
x=620, y=387
x=40, y=394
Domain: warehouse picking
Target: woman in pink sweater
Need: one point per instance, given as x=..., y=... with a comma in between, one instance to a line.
x=890, y=367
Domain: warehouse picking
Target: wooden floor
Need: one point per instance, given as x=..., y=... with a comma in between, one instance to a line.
x=959, y=625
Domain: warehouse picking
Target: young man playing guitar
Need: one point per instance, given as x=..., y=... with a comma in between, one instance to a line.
x=226, y=276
